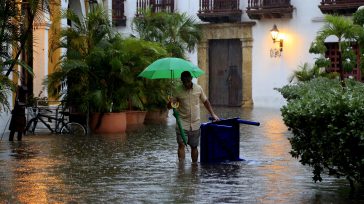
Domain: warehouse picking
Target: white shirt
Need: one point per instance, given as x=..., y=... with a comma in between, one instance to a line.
x=189, y=106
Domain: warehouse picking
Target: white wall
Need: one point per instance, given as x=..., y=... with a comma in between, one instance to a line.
x=4, y=123
x=268, y=73
x=129, y=12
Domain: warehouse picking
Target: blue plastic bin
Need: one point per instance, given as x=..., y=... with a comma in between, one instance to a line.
x=220, y=140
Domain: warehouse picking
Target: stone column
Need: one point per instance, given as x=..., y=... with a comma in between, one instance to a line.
x=246, y=46
x=203, y=63
x=40, y=57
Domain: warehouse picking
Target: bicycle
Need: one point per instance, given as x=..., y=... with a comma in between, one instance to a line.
x=62, y=124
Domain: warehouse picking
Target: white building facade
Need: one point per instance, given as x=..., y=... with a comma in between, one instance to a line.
x=265, y=72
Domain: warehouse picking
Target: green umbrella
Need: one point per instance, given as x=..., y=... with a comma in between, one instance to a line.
x=170, y=68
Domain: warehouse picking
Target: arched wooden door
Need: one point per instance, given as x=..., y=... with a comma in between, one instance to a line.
x=225, y=72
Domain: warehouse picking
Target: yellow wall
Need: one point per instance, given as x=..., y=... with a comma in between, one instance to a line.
x=54, y=56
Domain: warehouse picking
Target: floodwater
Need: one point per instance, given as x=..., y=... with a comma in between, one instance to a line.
x=141, y=166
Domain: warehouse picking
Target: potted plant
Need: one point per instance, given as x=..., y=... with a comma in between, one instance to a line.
x=91, y=69
x=108, y=95
x=178, y=33
x=100, y=70
x=139, y=55
x=157, y=96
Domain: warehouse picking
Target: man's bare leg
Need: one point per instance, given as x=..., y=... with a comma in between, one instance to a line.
x=194, y=154
x=181, y=152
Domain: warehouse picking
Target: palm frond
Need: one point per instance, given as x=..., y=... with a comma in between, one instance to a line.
x=6, y=87
x=304, y=73
x=176, y=31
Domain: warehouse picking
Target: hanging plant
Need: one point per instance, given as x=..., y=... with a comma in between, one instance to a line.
x=322, y=62
x=348, y=57
x=317, y=47
x=347, y=65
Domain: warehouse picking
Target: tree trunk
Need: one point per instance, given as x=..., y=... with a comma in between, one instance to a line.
x=27, y=49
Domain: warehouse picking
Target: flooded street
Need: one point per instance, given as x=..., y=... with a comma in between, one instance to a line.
x=141, y=166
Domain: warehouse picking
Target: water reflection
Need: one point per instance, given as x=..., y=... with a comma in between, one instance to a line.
x=29, y=181
x=141, y=166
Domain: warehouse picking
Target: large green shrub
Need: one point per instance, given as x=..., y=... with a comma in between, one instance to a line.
x=327, y=120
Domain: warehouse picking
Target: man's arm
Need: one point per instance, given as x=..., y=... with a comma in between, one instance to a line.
x=209, y=108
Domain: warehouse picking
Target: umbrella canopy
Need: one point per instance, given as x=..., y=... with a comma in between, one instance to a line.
x=170, y=68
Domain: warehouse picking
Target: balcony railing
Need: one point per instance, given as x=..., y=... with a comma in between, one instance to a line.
x=343, y=7
x=219, y=11
x=118, y=14
x=155, y=6
x=258, y=9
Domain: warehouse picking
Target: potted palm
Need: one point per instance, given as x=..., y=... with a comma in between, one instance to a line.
x=178, y=33
x=139, y=55
x=157, y=95
x=92, y=70
x=100, y=70
x=108, y=95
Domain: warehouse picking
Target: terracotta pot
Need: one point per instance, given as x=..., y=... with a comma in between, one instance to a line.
x=109, y=123
x=156, y=116
x=135, y=117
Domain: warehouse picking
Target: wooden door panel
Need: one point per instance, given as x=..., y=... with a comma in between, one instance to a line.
x=225, y=84
x=218, y=50
x=235, y=73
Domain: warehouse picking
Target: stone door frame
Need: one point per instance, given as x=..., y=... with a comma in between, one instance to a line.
x=242, y=31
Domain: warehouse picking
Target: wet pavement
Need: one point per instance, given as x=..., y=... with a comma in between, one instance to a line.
x=141, y=167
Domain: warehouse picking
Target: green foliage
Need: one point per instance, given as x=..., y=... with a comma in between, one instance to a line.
x=318, y=47
x=177, y=32
x=143, y=93
x=157, y=92
x=339, y=26
x=16, y=30
x=6, y=87
x=106, y=88
x=326, y=121
x=306, y=73
x=82, y=67
x=9, y=28
x=358, y=17
x=9, y=33
x=101, y=68
x=348, y=56
x=322, y=62
x=348, y=32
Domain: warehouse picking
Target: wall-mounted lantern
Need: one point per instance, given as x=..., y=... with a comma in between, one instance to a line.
x=277, y=38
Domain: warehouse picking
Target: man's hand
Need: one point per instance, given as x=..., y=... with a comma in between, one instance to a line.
x=214, y=117
x=172, y=102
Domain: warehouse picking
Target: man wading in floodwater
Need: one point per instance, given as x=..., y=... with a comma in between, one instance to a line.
x=189, y=95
